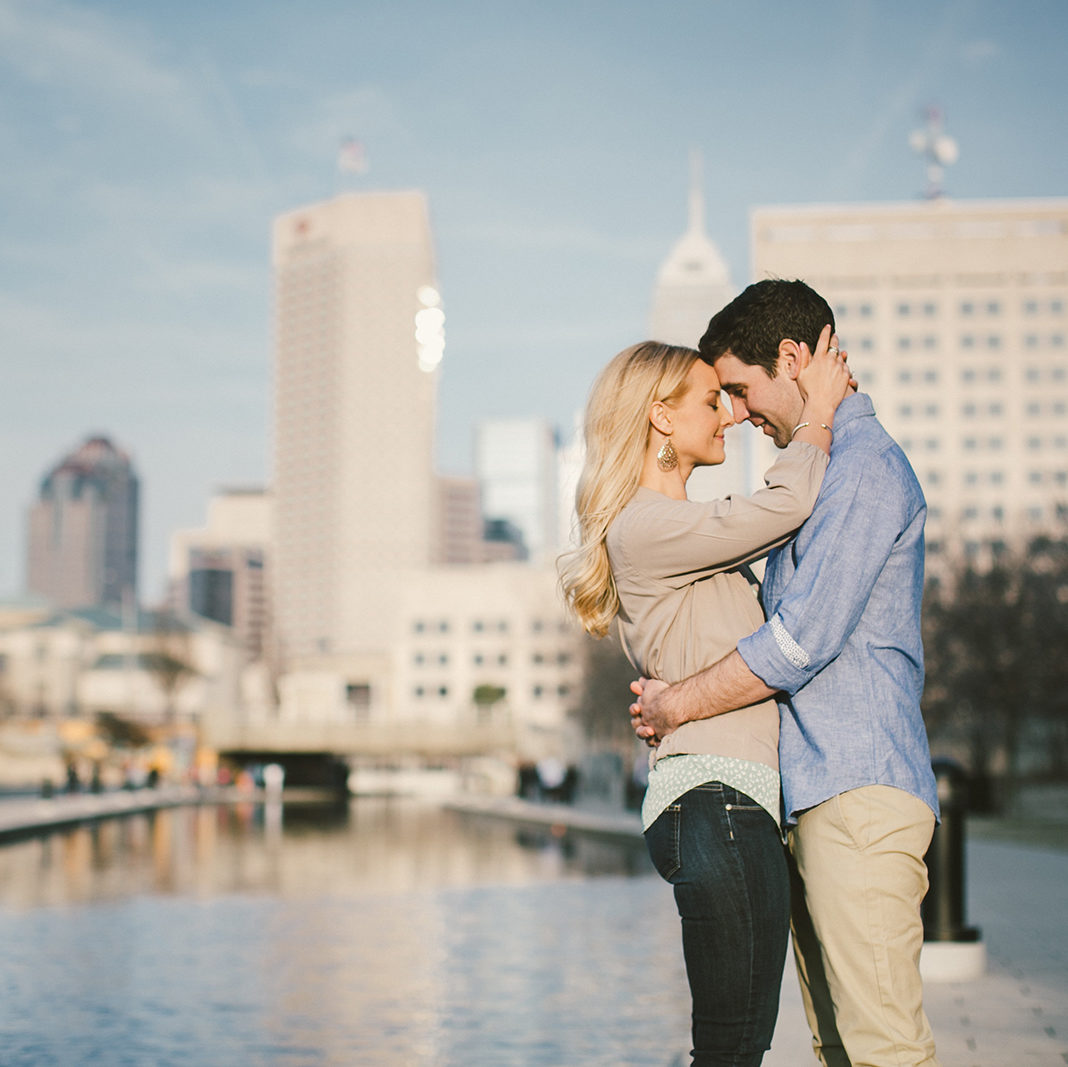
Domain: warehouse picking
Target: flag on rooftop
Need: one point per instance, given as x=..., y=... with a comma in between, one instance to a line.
x=352, y=157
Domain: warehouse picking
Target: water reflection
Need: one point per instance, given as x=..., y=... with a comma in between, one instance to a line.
x=362, y=847
x=378, y=933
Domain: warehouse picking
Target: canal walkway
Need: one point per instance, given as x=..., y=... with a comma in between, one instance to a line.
x=23, y=816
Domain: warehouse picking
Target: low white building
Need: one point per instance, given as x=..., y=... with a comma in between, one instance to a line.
x=76, y=664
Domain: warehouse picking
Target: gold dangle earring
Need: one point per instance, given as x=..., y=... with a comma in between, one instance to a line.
x=667, y=459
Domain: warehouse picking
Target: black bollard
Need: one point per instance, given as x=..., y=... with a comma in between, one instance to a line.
x=943, y=907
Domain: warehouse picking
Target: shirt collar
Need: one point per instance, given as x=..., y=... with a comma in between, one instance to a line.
x=853, y=407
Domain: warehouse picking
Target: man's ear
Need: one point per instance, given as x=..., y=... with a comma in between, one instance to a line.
x=660, y=417
x=789, y=358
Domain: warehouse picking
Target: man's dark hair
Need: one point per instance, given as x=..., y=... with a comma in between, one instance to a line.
x=754, y=322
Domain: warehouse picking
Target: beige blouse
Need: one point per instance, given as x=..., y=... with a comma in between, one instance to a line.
x=684, y=603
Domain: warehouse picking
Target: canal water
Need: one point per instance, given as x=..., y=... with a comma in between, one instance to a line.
x=383, y=932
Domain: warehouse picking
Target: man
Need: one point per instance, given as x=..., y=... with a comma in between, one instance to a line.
x=842, y=650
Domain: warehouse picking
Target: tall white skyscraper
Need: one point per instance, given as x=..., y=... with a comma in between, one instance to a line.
x=515, y=464
x=693, y=283
x=359, y=335
x=955, y=315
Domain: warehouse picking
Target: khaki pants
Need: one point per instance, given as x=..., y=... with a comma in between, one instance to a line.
x=858, y=880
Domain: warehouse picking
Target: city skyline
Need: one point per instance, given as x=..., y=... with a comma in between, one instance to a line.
x=150, y=149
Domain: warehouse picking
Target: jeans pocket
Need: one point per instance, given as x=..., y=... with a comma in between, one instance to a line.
x=662, y=841
x=741, y=816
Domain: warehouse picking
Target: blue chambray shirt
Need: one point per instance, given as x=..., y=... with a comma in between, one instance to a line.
x=842, y=639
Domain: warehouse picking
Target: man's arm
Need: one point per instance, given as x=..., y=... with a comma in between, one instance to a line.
x=860, y=513
x=726, y=685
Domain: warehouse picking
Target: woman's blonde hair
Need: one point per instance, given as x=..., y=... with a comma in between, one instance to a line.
x=617, y=434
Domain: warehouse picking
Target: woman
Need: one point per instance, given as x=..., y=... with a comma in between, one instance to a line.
x=674, y=572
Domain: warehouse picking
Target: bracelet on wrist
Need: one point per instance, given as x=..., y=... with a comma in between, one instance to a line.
x=802, y=425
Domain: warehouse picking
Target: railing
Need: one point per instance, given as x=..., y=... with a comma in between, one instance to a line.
x=371, y=739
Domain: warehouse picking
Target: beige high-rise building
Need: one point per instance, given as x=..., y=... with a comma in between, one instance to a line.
x=359, y=336
x=955, y=315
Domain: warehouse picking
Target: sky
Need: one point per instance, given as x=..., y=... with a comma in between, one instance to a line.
x=147, y=147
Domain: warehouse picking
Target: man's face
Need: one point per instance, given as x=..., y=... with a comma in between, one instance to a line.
x=773, y=404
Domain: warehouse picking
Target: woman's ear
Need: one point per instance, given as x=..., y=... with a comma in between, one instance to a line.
x=789, y=358
x=660, y=417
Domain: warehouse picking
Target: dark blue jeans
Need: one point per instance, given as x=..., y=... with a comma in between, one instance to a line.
x=723, y=854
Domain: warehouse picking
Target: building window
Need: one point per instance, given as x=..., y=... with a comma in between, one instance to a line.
x=968, y=411
x=967, y=341
x=443, y=691
x=993, y=307
x=967, y=308
x=904, y=344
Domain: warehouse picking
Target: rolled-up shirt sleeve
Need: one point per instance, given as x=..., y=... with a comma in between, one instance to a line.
x=839, y=556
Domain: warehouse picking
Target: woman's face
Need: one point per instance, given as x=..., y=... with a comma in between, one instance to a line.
x=699, y=419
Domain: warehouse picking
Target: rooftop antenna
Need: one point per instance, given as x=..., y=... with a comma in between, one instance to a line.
x=697, y=199
x=938, y=149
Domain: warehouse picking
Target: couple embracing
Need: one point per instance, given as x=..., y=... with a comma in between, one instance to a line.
x=793, y=718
